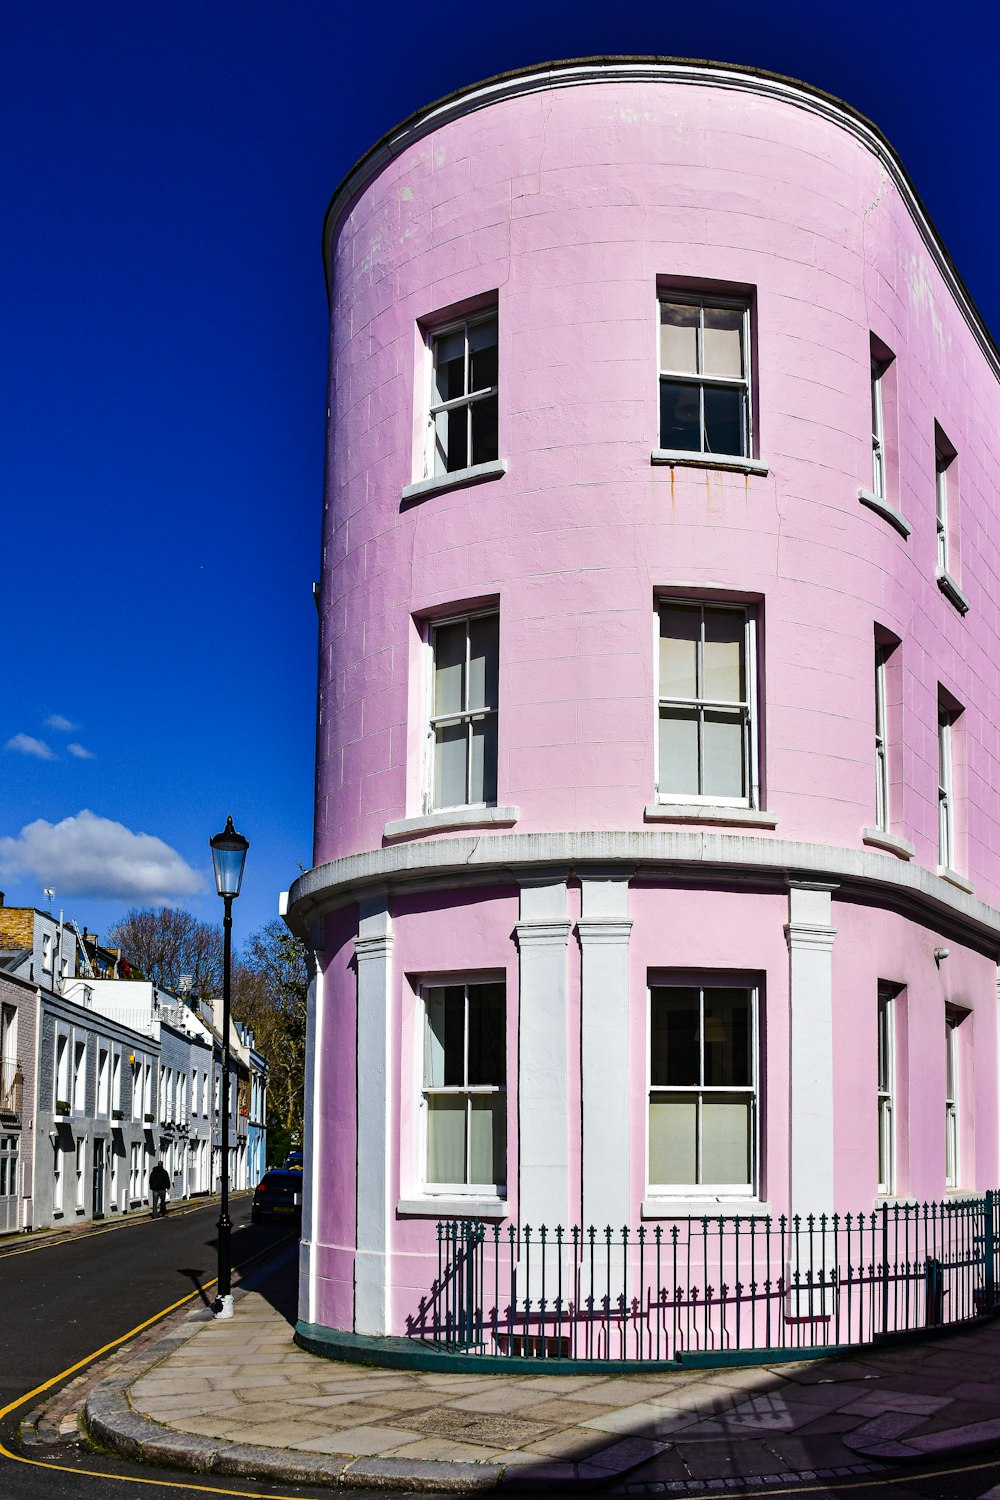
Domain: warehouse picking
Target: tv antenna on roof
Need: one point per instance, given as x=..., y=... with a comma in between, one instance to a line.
x=49, y=892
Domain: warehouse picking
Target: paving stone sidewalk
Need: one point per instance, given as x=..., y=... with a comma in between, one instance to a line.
x=240, y=1398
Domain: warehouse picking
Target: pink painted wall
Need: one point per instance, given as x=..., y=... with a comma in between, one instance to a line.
x=569, y=204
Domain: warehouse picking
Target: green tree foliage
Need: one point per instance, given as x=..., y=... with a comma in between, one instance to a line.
x=270, y=990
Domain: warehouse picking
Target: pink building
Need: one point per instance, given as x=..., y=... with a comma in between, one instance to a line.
x=655, y=856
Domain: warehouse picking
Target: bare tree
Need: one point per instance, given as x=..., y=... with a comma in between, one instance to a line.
x=164, y=944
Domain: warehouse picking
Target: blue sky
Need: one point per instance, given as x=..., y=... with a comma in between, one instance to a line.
x=165, y=170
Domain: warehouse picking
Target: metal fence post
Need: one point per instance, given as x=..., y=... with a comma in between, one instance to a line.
x=989, y=1252
x=885, y=1268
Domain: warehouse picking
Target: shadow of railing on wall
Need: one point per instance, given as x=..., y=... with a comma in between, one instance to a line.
x=704, y=1288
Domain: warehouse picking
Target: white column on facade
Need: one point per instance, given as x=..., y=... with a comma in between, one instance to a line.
x=810, y=936
x=543, y=1104
x=604, y=929
x=373, y=948
x=312, y=1138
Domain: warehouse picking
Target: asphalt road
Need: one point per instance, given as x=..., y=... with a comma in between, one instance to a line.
x=62, y=1301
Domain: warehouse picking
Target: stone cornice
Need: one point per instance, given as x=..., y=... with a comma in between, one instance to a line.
x=657, y=854
x=596, y=70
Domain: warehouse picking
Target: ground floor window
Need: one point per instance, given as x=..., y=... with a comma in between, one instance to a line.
x=465, y=1086
x=952, y=1161
x=886, y=1089
x=702, y=1088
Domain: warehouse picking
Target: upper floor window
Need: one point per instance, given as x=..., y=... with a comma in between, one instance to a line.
x=948, y=716
x=464, y=411
x=47, y=952
x=705, y=376
x=944, y=455
x=706, y=703
x=881, y=739
x=702, y=1088
x=463, y=721
x=464, y=1086
x=878, y=434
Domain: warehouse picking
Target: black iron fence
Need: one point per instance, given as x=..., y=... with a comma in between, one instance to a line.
x=714, y=1285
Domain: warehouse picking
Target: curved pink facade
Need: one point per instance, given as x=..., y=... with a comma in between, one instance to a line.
x=568, y=202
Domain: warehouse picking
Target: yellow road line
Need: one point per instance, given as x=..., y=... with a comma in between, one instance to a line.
x=35, y=1463
x=855, y=1482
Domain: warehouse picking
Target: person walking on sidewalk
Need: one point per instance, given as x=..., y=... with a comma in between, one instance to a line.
x=159, y=1182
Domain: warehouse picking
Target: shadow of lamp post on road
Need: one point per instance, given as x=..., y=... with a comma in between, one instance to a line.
x=229, y=852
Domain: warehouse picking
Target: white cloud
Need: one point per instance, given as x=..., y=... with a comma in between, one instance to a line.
x=60, y=722
x=87, y=855
x=28, y=745
x=80, y=753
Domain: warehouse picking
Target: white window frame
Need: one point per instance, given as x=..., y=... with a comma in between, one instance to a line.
x=886, y=1089
x=103, y=1081
x=942, y=463
x=882, y=780
x=468, y=400
x=62, y=1072
x=952, y=1101
x=878, y=432
x=456, y=1189
x=116, y=1081
x=743, y=383
x=81, y=1173
x=467, y=716
x=698, y=1190
x=79, y=1081
x=751, y=750
x=47, y=952
x=946, y=789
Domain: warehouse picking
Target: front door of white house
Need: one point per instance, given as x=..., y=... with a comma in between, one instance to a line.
x=9, y=1182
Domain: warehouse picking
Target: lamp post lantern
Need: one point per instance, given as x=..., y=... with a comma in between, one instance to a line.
x=229, y=852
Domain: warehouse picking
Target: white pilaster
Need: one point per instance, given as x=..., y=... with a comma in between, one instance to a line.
x=373, y=949
x=312, y=1135
x=604, y=929
x=810, y=938
x=543, y=1104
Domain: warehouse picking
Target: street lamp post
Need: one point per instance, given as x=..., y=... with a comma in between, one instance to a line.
x=229, y=852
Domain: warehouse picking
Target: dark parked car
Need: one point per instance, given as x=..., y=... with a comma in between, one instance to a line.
x=278, y=1195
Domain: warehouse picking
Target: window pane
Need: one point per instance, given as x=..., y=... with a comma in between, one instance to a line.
x=673, y=1038
x=680, y=425
x=485, y=443
x=678, y=338
x=451, y=437
x=724, y=341
x=725, y=1141
x=483, y=355
x=680, y=630
x=724, y=427
x=446, y=1138
x=723, y=675
x=483, y=769
x=484, y=634
x=728, y=1036
x=679, y=751
x=723, y=772
x=449, y=366
x=444, y=1038
x=487, y=1034
x=449, y=669
x=488, y=1144
x=673, y=1125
